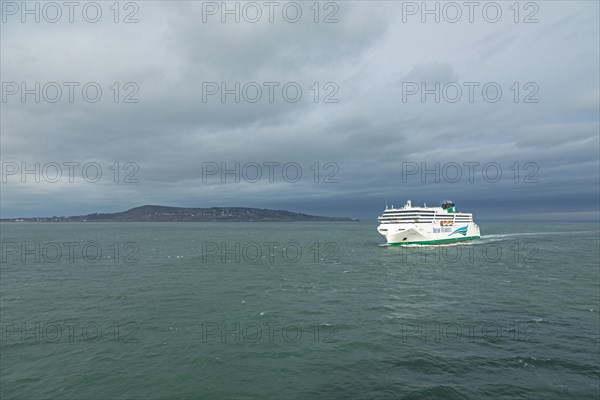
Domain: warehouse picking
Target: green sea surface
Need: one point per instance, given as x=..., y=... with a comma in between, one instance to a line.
x=297, y=311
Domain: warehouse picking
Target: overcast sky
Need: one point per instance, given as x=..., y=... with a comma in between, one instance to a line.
x=361, y=116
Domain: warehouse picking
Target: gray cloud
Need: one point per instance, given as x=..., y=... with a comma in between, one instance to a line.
x=369, y=133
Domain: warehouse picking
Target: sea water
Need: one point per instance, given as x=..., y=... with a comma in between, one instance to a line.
x=297, y=310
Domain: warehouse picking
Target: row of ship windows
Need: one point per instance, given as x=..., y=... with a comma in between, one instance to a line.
x=427, y=215
x=431, y=216
x=420, y=222
x=409, y=212
x=424, y=219
x=428, y=218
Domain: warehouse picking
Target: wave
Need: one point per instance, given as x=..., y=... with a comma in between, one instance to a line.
x=506, y=235
x=487, y=238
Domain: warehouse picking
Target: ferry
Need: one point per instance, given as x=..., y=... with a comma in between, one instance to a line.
x=426, y=225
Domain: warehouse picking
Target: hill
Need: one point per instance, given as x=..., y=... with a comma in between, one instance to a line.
x=153, y=213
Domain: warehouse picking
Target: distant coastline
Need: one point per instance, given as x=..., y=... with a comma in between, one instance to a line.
x=153, y=213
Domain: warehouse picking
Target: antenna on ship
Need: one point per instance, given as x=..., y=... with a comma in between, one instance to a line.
x=386, y=206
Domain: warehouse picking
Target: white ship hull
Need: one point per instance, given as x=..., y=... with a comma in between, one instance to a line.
x=428, y=234
x=427, y=225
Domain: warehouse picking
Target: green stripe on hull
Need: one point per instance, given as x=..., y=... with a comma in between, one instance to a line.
x=440, y=241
